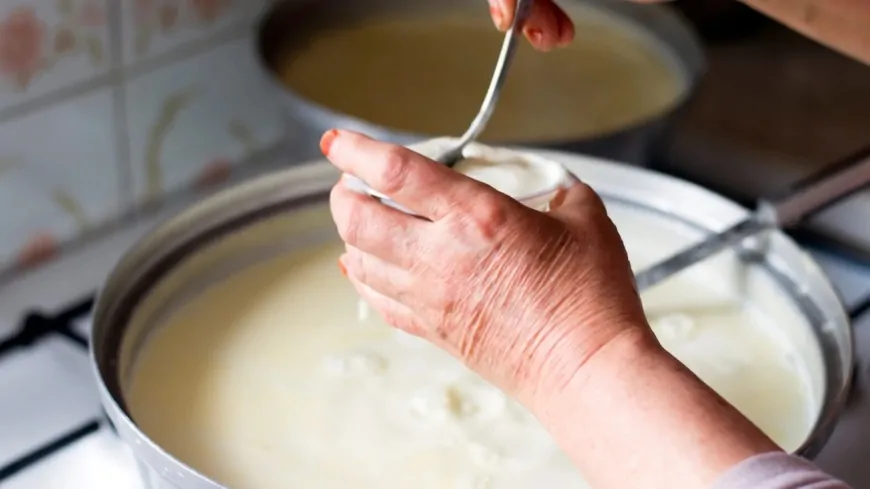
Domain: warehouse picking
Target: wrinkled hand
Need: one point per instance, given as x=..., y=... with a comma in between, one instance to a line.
x=522, y=297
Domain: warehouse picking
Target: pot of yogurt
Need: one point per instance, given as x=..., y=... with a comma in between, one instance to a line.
x=231, y=352
x=405, y=72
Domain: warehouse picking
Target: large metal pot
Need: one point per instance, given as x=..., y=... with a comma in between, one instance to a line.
x=270, y=215
x=290, y=23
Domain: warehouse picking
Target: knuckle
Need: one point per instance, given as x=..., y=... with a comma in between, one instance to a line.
x=348, y=223
x=490, y=215
x=450, y=301
x=352, y=229
x=361, y=270
x=396, y=169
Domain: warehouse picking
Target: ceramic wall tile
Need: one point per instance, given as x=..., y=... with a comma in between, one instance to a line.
x=50, y=44
x=58, y=176
x=191, y=121
x=153, y=27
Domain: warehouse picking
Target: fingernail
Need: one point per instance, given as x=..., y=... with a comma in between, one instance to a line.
x=536, y=36
x=497, y=16
x=342, y=268
x=327, y=140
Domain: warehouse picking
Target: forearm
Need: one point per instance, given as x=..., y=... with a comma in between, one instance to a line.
x=841, y=24
x=636, y=414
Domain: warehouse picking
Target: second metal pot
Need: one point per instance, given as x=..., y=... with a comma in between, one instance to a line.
x=290, y=23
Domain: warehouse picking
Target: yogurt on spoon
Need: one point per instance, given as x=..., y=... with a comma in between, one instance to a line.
x=527, y=178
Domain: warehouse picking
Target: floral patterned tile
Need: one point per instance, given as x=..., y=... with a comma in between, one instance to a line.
x=49, y=44
x=190, y=122
x=153, y=27
x=50, y=193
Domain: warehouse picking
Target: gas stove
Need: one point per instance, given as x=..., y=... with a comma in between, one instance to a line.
x=54, y=434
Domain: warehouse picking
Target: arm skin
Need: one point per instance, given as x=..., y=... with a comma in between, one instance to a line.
x=843, y=25
x=635, y=398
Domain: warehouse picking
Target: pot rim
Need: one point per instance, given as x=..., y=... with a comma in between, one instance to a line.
x=308, y=185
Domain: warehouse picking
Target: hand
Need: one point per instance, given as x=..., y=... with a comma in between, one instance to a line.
x=547, y=27
x=522, y=297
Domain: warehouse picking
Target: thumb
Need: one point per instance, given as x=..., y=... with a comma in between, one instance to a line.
x=576, y=195
x=575, y=202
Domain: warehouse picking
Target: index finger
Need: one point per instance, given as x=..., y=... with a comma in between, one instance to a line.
x=424, y=187
x=548, y=26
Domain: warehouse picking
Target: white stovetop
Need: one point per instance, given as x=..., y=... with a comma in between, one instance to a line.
x=95, y=462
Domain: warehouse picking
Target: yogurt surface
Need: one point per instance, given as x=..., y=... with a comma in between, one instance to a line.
x=274, y=379
x=427, y=74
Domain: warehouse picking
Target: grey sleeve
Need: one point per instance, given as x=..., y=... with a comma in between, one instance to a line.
x=777, y=470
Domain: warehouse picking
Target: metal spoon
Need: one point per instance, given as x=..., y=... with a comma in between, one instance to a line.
x=452, y=156
x=808, y=197
x=508, y=48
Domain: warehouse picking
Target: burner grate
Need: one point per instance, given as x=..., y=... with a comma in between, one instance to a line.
x=28, y=459
x=859, y=309
x=35, y=328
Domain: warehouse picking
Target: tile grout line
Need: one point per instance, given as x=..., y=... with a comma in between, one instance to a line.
x=56, y=98
x=264, y=161
x=120, y=74
x=123, y=163
x=187, y=50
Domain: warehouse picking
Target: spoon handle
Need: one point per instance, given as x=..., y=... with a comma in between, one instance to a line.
x=834, y=183
x=508, y=48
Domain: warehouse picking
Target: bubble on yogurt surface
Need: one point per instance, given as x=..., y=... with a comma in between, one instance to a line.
x=354, y=363
x=676, y=326
x=438, y=404
x=474, y=482
x=484, y=456
x=483, y=401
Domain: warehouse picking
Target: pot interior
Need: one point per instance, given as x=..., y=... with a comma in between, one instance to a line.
x=423, y=67
x=233, y=233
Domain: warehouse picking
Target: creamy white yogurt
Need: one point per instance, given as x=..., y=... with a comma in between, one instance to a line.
x=273, y=380
x=611, y=77
x=525, y=177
